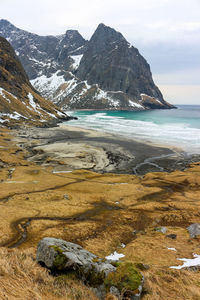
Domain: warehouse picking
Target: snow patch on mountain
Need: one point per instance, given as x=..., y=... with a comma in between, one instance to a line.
x=37, y=108
x=3, y=94
x=104, y=95
x=134, y=104
x=48, y=85
x=57, y=88
x=14, y=116
x=77, y=60
x=71, y=86
x=32, y=102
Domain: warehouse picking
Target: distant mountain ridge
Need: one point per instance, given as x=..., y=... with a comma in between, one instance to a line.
x=105, y=72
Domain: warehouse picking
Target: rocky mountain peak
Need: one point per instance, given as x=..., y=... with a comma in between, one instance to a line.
x=105, y=35
x=119, y=70
x=5, y=22
x=72, y=34
x=71, y=41
x=5, y=27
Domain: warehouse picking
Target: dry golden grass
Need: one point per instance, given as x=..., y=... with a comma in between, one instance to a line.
x=22, y=278
x=168, y=284
x=99, y=212
x=22, y=106
x=16, y=87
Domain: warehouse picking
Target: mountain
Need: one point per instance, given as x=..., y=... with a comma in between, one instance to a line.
x=119, y=68
x=19, y=101
x=105, y=72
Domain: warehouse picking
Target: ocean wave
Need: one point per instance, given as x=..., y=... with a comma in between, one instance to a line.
x=178, y=133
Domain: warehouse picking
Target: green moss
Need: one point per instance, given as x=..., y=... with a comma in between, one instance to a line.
x=126, y=278
x=115, y=263
x=60, y=259
x=92, y=277
x=57, y=249
x=60, y=262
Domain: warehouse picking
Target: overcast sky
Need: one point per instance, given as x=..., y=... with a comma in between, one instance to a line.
x=166, y=32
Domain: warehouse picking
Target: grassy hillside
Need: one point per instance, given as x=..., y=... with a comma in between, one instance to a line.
x=19, y=101
x=101, y=212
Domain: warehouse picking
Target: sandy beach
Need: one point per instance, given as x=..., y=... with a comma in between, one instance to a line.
x=67, y=148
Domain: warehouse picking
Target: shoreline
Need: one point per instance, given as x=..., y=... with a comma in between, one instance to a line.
x=67, y=148
x=126, y=138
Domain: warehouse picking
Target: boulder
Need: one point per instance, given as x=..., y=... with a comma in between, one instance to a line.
x=126, y=281
x=194, y=230
x=61, y=256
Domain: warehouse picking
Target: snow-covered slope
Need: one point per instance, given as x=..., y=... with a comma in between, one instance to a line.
x=18, y=100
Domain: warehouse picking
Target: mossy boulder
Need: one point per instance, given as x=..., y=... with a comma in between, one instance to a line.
x=126, y=279
x=62, y=256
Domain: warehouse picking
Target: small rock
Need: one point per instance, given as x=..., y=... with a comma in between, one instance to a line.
x=171, y=236
x=66, y=197
x=161, y=229
x=194, y=230
x=114, y=291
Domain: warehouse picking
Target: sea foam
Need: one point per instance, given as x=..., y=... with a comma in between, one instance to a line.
x=163, y=127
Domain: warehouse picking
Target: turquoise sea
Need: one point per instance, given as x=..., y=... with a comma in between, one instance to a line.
x=176, y=127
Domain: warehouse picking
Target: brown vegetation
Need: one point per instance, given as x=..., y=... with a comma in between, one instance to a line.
x=16, y=88
x=22, y=278
x=99, y=212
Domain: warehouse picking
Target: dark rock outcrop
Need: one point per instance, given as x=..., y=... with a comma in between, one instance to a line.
x=115, y=65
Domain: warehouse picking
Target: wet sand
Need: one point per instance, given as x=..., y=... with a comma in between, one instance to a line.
x=67, y=148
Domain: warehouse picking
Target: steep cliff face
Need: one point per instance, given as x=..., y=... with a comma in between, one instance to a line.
x=104, y=73
x=19, y=101
x=115, y=65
